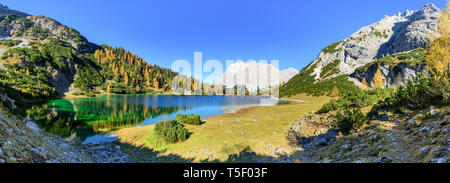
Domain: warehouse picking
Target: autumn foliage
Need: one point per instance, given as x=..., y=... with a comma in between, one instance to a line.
x=125, y=70
x=438, y=56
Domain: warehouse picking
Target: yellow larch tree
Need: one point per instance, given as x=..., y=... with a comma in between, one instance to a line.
x=155, y=83
x=138, y=88
x=439, y=48
x=364, y=84
x=108, y=89
x=122, y=71
x=335, y=92
x=126, y=79
x=377, y=81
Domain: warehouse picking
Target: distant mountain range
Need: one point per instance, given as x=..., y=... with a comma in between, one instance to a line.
x=254, y=76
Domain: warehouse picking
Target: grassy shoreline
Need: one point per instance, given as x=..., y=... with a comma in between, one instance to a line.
x=262, y=130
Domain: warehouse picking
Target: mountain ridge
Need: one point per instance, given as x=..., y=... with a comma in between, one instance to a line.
x=5, y=10
x=392, y=34
x=54, y=55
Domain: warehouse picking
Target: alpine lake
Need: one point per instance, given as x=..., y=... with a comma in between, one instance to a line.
x=93, y=120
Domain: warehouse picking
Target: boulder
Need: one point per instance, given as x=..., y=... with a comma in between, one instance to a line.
x=383, y=160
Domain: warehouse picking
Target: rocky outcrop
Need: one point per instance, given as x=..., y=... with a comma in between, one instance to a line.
x=62, y=80
x=414, y=32
x=38, y=27
x=4, y=10
x=393, y=34
x=392, y=76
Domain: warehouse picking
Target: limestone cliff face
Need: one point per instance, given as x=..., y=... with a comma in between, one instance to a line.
x=25, y=28
x=63, y=80
x=393, y=34
x=392, y=75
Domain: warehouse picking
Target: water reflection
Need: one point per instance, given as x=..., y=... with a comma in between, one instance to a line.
x=80, y=118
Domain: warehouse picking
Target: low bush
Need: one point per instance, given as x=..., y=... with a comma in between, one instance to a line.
x=356, y=98
x=78, y=93
x=10, y=42
x=422, y=92
x=189, y=119
x=171, y=131
x=349, y=121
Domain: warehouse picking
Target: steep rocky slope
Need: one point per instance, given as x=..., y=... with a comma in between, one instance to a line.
x=417, y=137
x=393, y=34
x=15, y=24
x=22, y=141
x=395, y=70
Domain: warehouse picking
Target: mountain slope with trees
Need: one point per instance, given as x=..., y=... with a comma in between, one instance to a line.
x=404, y=123
x=43, y=59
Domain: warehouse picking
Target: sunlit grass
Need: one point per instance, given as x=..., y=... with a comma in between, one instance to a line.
x=261, y=129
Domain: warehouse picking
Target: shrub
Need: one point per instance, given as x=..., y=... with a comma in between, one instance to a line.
x=171, y=131
x=88, y=78
x=330, y=69
x=89, y=94
x=356, y=98
x=347, y=122
x=10, y=42
x=331, y=106
x=78, y=93
x=189, y=119
x=421, y=92
x=332, y=48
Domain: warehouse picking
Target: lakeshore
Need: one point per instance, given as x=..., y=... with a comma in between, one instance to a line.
x=262, y=130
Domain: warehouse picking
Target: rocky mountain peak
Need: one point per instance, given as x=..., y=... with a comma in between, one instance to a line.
x=429, y=11
x=254, y=75
x=38, y=28
x=398, y=34
x=392, y=34
x=4, y=10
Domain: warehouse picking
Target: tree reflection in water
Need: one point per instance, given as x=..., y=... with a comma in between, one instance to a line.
x=80, y=118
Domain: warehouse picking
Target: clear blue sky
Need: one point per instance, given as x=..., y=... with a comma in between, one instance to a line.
x=162, y=31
